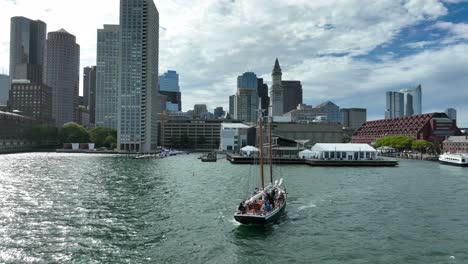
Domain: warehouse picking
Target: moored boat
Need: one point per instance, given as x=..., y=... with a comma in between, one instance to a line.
x=456, y=159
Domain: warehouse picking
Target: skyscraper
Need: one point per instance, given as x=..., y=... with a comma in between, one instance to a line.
x=331, y=110
x=292, y=95
x=27, y=46
x=107, y=75
x=232, y=98
x=408, y=101
x=416, y=95
x=138, y=93
x=451, y=113
x=276, y=91
x=246, y=102
x=395, y=105
x=89, y=92
x=62, y=69
x=169, y=86
x=262, y=91
x=4, y=88
x=353, y=118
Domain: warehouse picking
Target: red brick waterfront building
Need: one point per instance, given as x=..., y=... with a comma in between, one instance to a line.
x=435, y=127
x=456, y=144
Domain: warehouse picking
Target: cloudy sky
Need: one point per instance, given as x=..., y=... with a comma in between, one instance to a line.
x=346, y=51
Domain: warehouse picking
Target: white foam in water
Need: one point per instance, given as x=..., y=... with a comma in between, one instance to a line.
x=310, y=205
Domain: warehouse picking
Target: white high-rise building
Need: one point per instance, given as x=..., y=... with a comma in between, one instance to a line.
x=138, y=88
x=107, y=76
x=276, y=92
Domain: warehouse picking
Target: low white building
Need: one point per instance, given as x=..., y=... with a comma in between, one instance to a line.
x=343, y=151
x=234, y=136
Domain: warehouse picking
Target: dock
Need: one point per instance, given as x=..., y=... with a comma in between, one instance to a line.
x=238, y=159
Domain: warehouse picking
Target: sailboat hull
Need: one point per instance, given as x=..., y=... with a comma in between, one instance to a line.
x=249, y=219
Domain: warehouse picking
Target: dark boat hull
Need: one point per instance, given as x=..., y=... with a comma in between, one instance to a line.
x=453, y=164
x=208, y=160
x=258, y=219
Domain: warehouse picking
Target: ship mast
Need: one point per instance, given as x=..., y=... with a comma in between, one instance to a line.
x=271, y=150
x=261, y=152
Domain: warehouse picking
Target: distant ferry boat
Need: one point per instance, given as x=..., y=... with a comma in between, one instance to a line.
x=454, y=159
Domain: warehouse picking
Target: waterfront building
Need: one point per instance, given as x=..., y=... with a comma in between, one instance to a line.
x=27, y=47
x=138, y=92
x=395, y=105
x=262, y=92
x=455, y=144
x=84, y=116
x=219, y=112
x=89, y=92
x=198, y=110
x=340, y=151
x=15, y=132
x=235, y=136
x=331, y=110
x=191, y=134
x=304, y=114
x=413, y=107
x=353, y=118
x=107, y=76
x=276, y=91
x=62, y=69
x=311, y=132
x=433, y=127
x=246, y=101
x=32, y=99
x=451, y=113
x=232, y=98
x=4, y=88
x=292, y=95
x=169, y=86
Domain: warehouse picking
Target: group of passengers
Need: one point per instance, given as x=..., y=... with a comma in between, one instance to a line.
x=265, y=204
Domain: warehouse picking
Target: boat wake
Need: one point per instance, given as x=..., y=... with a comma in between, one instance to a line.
x=308, y=206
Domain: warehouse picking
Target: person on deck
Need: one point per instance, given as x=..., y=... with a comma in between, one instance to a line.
x=241, y=208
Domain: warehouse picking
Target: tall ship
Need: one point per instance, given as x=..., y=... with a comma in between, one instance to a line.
x=456, y=159
x=266, y=204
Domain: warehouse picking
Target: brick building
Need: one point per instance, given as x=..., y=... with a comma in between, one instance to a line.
x=455, y=144
x=435, y=127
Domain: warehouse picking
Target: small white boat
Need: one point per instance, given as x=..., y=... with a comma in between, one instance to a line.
x=456, y=159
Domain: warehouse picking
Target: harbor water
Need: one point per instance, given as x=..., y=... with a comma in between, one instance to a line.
x=86, y=208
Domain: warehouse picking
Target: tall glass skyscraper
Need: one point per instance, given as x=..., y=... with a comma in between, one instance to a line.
x=395, y=105
x=416, y=96
x=246, y=102
x=27, y=47
x=107, y=75
x=138, y=88
x=169, y=87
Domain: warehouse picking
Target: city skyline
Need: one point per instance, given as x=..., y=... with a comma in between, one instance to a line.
x=342, y=54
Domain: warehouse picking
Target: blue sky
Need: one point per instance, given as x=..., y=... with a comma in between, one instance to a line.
x=346, y=51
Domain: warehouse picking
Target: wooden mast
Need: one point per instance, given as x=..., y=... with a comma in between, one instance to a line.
x=271, y=150
x=261, y=152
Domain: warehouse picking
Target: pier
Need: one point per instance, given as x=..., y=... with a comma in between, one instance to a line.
x=238, y=159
